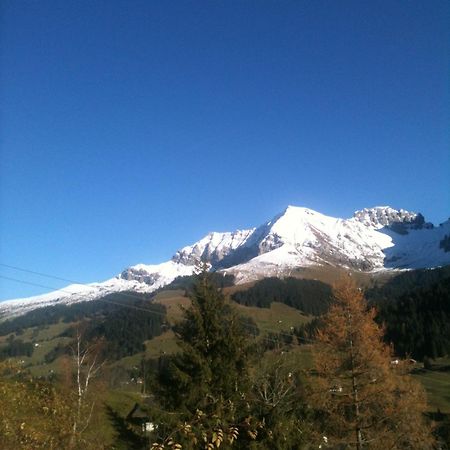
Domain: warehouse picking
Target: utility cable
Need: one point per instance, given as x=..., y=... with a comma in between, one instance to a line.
x=278, y=332
x=71, y=293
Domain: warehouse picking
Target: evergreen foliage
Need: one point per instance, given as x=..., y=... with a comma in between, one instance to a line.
x=277, y=400
x=188, y=282
x=418, y=322
x=16, y=347
x=306, y=332
x=204, y=387
x=212, y=363
x=208, y=394
x=56, y=352
x=406, y=282
x=124, y=330
x=310, y=296
x=75, y=312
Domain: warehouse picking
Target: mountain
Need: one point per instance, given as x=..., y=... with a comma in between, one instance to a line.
x=373, y=240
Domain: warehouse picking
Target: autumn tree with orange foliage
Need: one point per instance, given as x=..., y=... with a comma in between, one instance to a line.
x=33, y=414
x=361, y=400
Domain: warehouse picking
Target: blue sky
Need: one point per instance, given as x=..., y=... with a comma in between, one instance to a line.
x=132, y=128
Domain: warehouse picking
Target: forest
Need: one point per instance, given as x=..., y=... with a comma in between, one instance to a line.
x=310, y=296
x=229, y=385
x=71, y=313
x=418, y=321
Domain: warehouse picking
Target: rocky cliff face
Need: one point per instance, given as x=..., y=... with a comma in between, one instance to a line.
x=213, y=248
x=382, y=216
x=374, y=239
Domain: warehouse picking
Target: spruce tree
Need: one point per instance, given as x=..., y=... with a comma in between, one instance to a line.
x=203, y=383
x=361, y=399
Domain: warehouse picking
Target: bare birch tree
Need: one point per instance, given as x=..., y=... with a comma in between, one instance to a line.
x=85, y=362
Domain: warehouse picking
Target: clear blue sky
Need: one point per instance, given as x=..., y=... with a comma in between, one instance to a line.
x=132, y=128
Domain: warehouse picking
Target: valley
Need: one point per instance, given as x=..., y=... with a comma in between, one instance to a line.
x=277, y=279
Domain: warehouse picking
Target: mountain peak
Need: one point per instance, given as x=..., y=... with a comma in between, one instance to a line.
x=378, y=238
x=299, y=210
x=213, y=247
x=385, y=216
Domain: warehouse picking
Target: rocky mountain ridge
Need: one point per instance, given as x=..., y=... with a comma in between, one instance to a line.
x=374, y=239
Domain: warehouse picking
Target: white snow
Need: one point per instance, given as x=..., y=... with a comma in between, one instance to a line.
x=214, y=246
x=380, y=216
x=299, y=237
x=167, y=271
x=164, y=274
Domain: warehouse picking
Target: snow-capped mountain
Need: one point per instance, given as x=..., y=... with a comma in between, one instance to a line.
x=375, y=239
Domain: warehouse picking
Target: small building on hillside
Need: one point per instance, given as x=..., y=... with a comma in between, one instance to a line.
x=139, y=417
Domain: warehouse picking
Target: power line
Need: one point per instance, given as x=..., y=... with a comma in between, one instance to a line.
x=125, y=294
x=98, y=299
x=39, y=273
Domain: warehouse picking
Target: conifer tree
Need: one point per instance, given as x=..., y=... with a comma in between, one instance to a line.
x=212, y=361
x=361, y=399
x=202, y=384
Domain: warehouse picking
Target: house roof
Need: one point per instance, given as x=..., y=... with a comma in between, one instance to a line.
x=137, y=412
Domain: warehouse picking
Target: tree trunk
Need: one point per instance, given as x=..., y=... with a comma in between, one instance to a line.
x=355, y=401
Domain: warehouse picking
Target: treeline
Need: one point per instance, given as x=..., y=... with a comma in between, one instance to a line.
x=406, y=282
x=16, y=347
x=218, y=392
x=413, y=306
x=221, y=389
x=310, y=296
x=123, y=320
x=187, y=282
x=418, y=322
x=75, y=312
x=123, y=330
x=415, y=309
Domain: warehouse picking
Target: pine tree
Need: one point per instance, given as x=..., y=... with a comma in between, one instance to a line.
x=361, y=400
x=202, y=384
x=212, y=361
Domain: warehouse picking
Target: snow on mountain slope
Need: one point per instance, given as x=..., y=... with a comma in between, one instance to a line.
x=302, y=237
x=382, y=216
x=212, y=248
x=140, y=278
x=305, y=238
x=71, y=294
x=157, y=275
x=380, y=238
x=419, y=248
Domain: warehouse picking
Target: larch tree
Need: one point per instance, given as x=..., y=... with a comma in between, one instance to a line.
x=362, y=400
